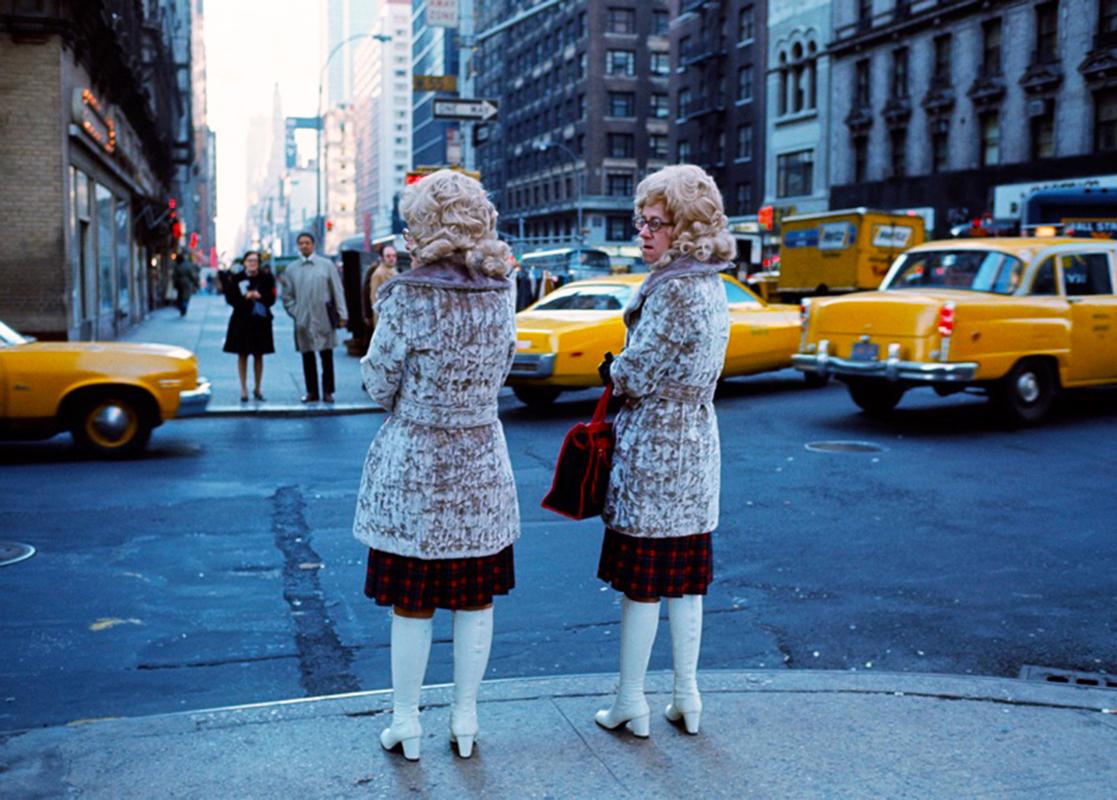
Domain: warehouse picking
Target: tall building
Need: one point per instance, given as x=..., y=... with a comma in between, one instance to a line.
x=205, y=147
x=583, y=90
x=797, y=123
x=339, y=22
x=101, y=91
x=339, y=172
x=434, y=52
x=382, y=124
x=717, y=98
x=963, y=106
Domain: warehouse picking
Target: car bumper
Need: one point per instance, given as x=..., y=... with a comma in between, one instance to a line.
x=892, y=369
x=532, y=365
x=193, y=402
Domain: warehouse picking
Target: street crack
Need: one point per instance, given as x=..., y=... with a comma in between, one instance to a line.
x=325, y=664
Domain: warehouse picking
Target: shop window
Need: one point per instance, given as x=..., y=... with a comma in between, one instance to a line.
x=103, y=201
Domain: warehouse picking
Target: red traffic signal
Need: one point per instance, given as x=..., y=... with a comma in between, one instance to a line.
x=764, y=217
x=329, y=224
x=194, y=240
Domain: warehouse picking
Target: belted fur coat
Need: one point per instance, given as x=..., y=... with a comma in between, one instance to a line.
x=437, y=480
x=666, y=472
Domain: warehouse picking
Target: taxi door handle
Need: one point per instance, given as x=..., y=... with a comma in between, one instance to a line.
x=1073, y=300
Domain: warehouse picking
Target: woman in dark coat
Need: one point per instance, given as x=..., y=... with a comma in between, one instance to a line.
x=250, y=325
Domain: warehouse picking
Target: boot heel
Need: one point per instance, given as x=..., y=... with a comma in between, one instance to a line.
x=411, y=748
x=640, y=726
x=465, y=745
x=690, y=721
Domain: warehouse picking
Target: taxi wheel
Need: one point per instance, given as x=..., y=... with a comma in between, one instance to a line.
x=536, y=396
x=1026, y=392
x=875, y=397
x=110, y=425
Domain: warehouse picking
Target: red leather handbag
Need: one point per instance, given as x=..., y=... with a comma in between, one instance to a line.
x=582, y=471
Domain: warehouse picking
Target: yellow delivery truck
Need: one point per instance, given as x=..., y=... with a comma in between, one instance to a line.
x=842, y=251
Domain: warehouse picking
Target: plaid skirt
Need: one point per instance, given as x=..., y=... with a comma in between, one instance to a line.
x=668, y=567
x=421, y=584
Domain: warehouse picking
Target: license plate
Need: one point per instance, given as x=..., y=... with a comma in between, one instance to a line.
x=865, y=351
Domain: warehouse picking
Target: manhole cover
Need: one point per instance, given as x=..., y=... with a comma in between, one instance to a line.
x=843, y=447
x=14, y=552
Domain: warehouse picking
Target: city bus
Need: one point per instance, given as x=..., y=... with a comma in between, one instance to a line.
x=1087, y=212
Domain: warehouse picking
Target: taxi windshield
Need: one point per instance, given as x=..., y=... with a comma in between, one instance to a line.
x=973, y=270
x=8, y=336
x=587, y=298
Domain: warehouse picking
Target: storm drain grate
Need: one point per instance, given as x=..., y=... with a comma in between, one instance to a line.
x=1068, y=677
x=14, y=552
x=843, y=447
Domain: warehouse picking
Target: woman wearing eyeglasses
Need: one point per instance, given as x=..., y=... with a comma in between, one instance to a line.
x=437, y=503
x=662, y=502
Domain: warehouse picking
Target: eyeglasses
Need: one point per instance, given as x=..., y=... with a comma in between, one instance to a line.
x=653, y=223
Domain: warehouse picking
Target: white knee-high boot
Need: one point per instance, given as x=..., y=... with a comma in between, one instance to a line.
x=411, y=646
x=639, y=622
x=473, y=638
x=685, y=617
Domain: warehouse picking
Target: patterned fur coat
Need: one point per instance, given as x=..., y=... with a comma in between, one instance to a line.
x=666, y=472
x=437, y=481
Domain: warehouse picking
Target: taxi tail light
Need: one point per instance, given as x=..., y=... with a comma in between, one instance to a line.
x=804, y=312
x=946, y=320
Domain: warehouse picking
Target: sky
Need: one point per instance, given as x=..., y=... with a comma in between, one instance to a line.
x=250, y=46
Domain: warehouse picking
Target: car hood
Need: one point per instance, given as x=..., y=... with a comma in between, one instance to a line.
x=113, y=348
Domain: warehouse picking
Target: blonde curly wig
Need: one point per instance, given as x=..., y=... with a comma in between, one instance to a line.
x=692, y=199
x=451, y=219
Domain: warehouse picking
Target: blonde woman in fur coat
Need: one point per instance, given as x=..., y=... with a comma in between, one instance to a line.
x=437, y=503
x=662, y=502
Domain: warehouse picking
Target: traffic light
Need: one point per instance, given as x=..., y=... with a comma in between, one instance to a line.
x=329, y=224
x=194, y=240
x=764, y=217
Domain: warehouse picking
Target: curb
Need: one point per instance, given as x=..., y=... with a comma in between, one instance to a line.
x=282, y=412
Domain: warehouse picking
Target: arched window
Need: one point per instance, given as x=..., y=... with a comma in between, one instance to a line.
x=798, y=79
x=783, y=84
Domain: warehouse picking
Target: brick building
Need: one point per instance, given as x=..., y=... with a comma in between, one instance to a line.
x=944, y=103
x=91, y=122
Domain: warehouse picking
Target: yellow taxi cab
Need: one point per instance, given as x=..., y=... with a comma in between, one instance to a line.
x=109, y=395
x=1015, y=318
x=561, y=339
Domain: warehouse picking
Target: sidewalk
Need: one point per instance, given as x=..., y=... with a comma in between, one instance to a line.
x=765, y=734
x=202, y=331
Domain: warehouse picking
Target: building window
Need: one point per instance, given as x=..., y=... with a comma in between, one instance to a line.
x=1043, y=134
x=940, y=151
x=620, y=62
x=661, y=20
x=618, y=229
x=900, y=72
x=991, y=47
x=1047, y=32
x=660, y=108
x=581, y=106
x=795, y=173
x=661, y=63
x=990, y=139
x=684, y=48
x=798, y=78
x=861, y=96
x=898, y=145
x=622, y=104
x=744, y=142
x=1107, y=17
x=657, y=146
x=621, y=145
x=864, y=12
x=744, y=198
x=1105, y=121
x=860, y=158
x=684, y=103
x=682, y=152
x=941, y=74
x=618, y=185
x=746, y=25
x=620, y=20
x=744, y=83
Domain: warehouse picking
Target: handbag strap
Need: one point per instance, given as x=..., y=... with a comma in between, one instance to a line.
x=602, y=404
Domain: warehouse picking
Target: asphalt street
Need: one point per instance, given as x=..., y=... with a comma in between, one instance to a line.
x=220, y=568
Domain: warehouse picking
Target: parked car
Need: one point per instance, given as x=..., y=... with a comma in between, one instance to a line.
x=561, y=339
x=1017, y=319
x=108, y=395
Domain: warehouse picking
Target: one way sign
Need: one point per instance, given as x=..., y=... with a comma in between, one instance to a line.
x=476, y=110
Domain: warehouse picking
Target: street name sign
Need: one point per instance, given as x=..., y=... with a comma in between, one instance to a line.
x=466, y=110
x=434, y=83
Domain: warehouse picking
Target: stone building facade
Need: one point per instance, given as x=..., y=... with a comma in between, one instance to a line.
x=937, y=103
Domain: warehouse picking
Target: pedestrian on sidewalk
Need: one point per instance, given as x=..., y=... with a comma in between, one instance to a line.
x=313, y=296
x=250, y=325
x=437, y=502
x=384, y=271
x=662, y=502
x=185, y=279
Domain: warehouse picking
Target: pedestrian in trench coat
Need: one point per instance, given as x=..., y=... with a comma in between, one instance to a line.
x=662, y=502
x=309, y=283
x=437, y=502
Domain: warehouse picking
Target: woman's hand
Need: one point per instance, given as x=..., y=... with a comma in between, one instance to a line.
x=604, y=368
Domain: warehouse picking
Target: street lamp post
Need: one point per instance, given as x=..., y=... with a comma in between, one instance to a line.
x=579, y=176
x=319, y=224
